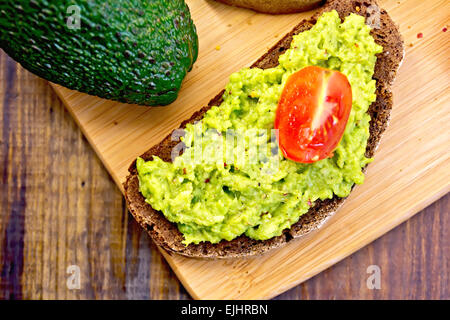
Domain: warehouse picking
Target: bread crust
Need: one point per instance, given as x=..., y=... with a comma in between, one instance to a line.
x=276, y=6
x=167, y=235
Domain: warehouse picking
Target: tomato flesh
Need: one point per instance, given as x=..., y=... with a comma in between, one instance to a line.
x=312, y=113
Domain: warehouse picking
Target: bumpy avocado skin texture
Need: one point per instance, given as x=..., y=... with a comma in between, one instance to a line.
x=133, y=51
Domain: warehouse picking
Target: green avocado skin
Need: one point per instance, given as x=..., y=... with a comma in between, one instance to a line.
x=133, y=51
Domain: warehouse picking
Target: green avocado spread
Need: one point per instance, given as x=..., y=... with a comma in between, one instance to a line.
x=231, y=179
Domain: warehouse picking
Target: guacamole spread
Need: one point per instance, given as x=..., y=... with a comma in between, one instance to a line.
x=231, y=179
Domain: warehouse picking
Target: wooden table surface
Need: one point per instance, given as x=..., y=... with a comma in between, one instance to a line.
x=53, y=185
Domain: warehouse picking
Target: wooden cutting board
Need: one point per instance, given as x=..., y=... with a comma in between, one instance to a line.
x=410, y=171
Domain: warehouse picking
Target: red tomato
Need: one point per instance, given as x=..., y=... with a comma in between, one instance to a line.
x=312, y=113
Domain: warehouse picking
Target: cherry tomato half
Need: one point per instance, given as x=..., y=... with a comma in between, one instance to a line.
x=312, y=113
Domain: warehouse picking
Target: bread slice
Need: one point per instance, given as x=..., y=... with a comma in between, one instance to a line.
x=275, y=6
x=166, y=234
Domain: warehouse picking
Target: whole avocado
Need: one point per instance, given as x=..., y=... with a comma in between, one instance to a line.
x=133, y=51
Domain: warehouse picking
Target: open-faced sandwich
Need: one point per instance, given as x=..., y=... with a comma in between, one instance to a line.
x=276, y=153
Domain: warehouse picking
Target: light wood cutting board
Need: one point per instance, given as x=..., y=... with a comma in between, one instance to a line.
x=410, y=171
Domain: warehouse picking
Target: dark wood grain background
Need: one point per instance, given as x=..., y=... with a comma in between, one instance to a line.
x=59, y=207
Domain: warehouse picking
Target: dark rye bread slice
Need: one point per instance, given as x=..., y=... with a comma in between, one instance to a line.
x=166, y=234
